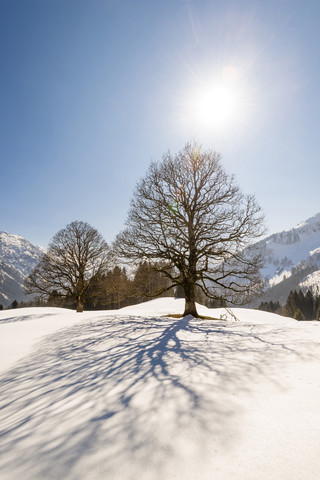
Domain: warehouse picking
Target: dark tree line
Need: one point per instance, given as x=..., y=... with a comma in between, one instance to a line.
x=271, y=307
x=14, y=304
x=299, y=305
x=117, y=288
x=303, y=306
x=112, y=290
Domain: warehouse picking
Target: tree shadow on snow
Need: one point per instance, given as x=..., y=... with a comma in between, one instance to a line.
x=24, y=318
x=121, y=395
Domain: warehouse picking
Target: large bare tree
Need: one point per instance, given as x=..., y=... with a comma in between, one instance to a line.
x=77, y=254
x=190, y=214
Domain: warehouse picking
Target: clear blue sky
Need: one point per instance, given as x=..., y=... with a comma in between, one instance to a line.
x=92, y=90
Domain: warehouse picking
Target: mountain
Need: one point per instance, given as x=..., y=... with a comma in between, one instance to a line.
x=18, y=257
x=292, y=260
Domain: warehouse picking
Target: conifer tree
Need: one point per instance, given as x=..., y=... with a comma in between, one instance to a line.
x=14, y=304
x=309, y=305
x=298, y=315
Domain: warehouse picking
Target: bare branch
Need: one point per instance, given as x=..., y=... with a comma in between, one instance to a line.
x=76, y=255
x=188, y=212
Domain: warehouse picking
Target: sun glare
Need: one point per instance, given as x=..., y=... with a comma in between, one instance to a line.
x=216, y=107
x=217, y=104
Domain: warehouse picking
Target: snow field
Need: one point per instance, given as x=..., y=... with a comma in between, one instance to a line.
x=130, y=394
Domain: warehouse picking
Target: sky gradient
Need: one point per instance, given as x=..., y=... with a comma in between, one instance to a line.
x=92, y=90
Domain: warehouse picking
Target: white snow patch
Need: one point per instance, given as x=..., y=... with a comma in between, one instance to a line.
x=315, y=251
x=162, y=306
x=21, y=328
x=312, y=282
x=280, y=277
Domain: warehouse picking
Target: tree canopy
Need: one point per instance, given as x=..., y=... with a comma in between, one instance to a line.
x=189, y=217
x=77, y=254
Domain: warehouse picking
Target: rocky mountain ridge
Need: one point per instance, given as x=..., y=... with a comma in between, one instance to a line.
x=18, y=257
x=292, y=260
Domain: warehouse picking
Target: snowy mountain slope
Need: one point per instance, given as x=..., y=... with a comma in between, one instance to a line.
x=131, y=394
x=18, y=257
x=291, y=254
x=311, y=281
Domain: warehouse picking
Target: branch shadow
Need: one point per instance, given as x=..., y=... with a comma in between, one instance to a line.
x=122, y=397
x=24, y=318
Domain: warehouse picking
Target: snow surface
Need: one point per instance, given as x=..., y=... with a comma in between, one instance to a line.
x=131, y=394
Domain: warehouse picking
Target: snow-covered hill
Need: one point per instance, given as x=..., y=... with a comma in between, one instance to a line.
x=132, y=394
x=18, y=257
x=292, y=259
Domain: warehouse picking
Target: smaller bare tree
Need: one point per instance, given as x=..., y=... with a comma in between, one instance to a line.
x=76, y=255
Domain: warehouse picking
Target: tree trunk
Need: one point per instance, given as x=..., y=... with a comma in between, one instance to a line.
x=190, y=297
x=79, y=305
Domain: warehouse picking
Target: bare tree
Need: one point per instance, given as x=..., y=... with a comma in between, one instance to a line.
x=191, y=215
x=76, y=255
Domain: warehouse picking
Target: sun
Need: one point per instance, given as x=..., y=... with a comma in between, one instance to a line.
x=216, y=103
x=217, y=106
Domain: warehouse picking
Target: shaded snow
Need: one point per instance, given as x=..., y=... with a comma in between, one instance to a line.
x=130, y=394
